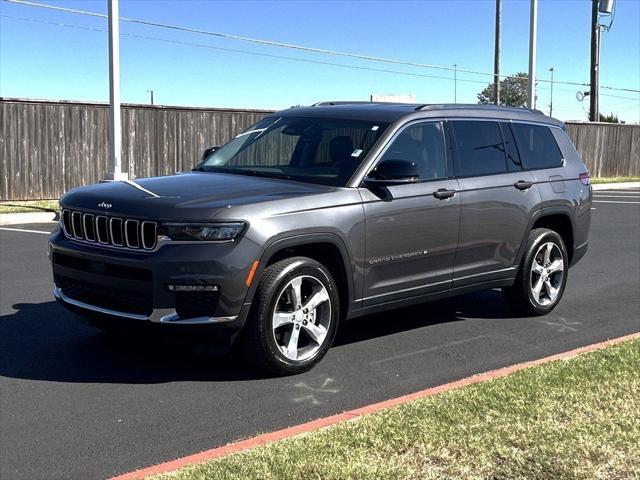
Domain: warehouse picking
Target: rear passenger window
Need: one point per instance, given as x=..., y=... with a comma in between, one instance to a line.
x=480, y=148
x=537, y=146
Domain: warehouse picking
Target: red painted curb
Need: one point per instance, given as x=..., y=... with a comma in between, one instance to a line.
x=357, y=412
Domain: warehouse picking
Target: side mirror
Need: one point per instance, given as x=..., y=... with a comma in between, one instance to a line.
x=393, y=172
x=208, y=151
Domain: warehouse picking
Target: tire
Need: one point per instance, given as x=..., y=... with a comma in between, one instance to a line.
x=541, y=279
x=302, y=335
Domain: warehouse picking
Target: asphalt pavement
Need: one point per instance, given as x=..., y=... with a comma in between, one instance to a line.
x=75, y=403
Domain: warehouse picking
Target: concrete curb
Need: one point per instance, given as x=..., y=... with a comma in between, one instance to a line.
x=26, y=218
x=313, y=425
x=615, y=186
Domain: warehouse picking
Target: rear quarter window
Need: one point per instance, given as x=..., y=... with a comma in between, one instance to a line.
x=537, y=146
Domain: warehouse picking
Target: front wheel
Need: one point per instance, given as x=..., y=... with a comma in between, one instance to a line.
x=542, y=275
x=294, y=321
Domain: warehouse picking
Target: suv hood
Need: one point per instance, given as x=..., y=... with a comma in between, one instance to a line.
x=196, y=196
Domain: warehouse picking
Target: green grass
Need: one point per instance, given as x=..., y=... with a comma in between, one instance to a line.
x=29, y=206
x=615, y=179
x=569, y=419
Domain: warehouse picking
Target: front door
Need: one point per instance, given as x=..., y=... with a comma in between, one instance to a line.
x=411, y=235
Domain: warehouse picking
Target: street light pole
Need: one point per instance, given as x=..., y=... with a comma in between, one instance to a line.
x=496, y=56
x=115, y=127
x=455, y=83
x=150, y=92
x=594, y=104
x=533, y=34
x=551, y=103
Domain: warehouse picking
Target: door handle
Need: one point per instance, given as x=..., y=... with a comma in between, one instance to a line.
x=522, y=185
x=443, y=193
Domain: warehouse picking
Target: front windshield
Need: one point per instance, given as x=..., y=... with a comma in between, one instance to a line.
x=315, y=150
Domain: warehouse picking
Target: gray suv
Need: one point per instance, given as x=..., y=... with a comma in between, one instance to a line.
x=320, y=214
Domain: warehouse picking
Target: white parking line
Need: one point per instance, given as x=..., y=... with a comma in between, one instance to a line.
x=616, y=196
x=23, y=230
x=613, y=201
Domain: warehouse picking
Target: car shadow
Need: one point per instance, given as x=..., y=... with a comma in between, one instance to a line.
x=42, y=341
x=487, y=304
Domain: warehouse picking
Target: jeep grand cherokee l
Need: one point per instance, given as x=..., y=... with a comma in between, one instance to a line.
x=320, y=214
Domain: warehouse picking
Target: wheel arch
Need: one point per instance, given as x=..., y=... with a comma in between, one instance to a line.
x=558, y=218
x=326, y=248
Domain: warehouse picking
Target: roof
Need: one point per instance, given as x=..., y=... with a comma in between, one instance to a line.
x=390, y=112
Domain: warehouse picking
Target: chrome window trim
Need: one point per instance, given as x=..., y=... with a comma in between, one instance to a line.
x=126, y=233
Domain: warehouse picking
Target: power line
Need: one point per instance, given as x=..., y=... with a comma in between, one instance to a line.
x=289, y=46
x=282, y=57
x=233, y=50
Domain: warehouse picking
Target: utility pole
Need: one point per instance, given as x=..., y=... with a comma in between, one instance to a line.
x=533, y=34
x=594, y=110
x=115, y=127
x=551, y=103
x=496, y=56
x=455, y=83
x=150, y=92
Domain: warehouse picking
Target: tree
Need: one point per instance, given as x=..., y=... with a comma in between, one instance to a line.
x=513, y=91
x=611, y=118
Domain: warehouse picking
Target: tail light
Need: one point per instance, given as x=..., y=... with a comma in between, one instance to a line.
x=585, y=178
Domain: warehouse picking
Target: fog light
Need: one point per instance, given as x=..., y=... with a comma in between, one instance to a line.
x=193, y=288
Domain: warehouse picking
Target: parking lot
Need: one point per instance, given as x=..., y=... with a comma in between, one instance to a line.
x=75, y=403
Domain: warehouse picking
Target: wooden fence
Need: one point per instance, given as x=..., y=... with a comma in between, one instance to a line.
x=48, y=147
x=608, y=149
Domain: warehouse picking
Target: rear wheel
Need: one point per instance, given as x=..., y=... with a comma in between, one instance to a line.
x=542, y=275
x=294, y=321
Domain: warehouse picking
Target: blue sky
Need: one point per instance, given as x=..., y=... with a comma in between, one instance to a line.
x=40, y=60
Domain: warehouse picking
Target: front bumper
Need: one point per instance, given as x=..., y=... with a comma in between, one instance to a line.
x=113, y=284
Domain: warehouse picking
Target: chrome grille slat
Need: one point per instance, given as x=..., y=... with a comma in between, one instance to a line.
x=149, y=231
x=102, y=227
x=114, y=232
x=76, y=225
x=89, y=227
x=66, y=222
x=132, y=233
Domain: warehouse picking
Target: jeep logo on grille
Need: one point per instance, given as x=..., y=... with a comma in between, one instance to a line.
x=105, y=205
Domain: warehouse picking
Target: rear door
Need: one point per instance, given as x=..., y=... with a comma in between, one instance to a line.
x=411, y=235
x=497, y=199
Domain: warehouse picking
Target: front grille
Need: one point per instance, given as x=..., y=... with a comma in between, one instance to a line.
x=139, y=303
x=112, y=231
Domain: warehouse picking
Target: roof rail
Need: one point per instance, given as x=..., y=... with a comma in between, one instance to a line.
x=474, y=106
x=340, y=102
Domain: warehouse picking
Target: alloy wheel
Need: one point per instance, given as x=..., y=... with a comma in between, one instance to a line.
x=547, y=273
x=301, y=318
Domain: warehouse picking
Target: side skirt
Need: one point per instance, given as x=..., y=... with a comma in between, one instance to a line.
x=405, y=302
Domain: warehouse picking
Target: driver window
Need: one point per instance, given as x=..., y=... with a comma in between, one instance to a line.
x=423, y=144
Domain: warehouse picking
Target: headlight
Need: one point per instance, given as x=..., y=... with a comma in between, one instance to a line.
x=203, y=231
